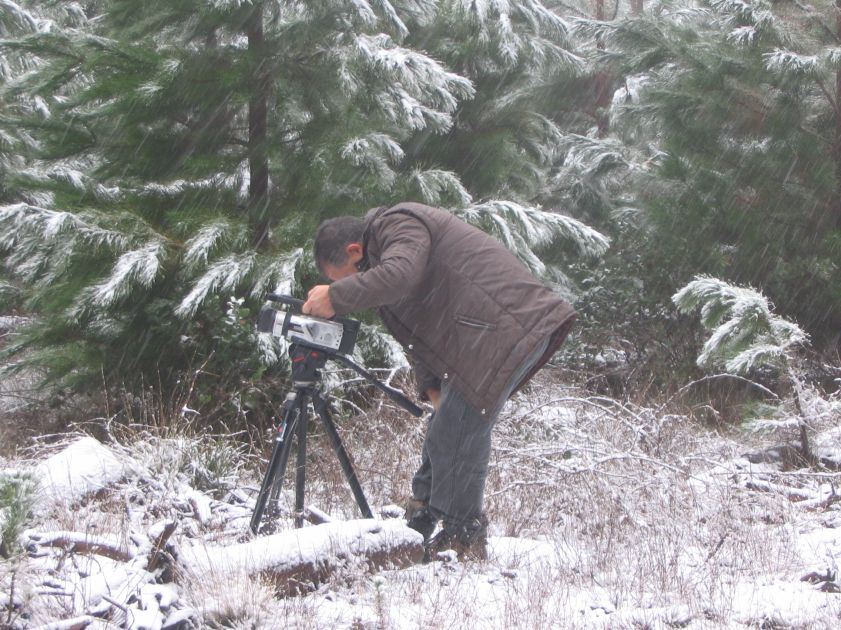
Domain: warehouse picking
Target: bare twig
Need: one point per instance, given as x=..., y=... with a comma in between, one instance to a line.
x=82, y=543
x=160, y=544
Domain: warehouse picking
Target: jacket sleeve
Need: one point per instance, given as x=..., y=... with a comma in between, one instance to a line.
x=405, y=243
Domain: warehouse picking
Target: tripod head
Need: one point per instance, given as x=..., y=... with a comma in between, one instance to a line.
x=315, y=340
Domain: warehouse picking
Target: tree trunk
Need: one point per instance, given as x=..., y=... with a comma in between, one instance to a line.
x=601, y=84
x=837, y=147
x=258, y=105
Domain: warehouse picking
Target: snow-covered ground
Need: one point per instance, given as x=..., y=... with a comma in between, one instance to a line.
x=604, y=515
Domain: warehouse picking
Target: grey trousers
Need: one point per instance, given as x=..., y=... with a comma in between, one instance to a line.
x=456, y=451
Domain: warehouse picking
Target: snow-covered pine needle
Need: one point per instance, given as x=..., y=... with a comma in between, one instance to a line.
x=137, y=267
x=745, y=331
x=223, y=275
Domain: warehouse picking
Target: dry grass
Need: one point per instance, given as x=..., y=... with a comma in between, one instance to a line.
x=643, y=516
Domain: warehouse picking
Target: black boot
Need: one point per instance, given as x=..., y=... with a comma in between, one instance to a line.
x=469, y=541
x=420, y=518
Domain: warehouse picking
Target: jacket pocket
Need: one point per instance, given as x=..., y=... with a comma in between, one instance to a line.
x=472, y=322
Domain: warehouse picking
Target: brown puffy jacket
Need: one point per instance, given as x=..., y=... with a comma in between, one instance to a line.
x=463, y=306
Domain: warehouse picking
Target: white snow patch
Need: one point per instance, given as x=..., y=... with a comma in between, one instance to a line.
x=83, y=468
x=302, y=546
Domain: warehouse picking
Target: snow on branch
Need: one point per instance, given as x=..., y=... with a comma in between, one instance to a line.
x=549, y=53
x=235, y=181
x=538, y=15
x=13, y=18
x=21, y=218
x=137, y=267
x=67, y=174
x=403, y=108
x=786, y=61
x=229, y=5
x=520, y=32
x=375, y=145
x=392, y=18
x=591, y=157
x=277, y=273
x=745, y=331
x=542, y=18
x=741, y=13
x=414, y=71
x=83, y=468
x=223, y=275
x=437, y=185
x=832, y=57
x=374, y=152
x=303, y=558
x=200, y=246
x=743, y=35
x=524, y=228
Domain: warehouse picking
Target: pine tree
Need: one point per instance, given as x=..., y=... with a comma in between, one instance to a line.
x=509, y=140
x=504, y=140
x=746, y=333
x=746, y=336
x=153, y=177
x=192, y=150
x=732, y=122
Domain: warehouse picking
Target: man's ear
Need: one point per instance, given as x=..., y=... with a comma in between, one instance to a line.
x=354, y=251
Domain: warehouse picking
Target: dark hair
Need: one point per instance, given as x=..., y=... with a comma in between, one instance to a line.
x=333, y=236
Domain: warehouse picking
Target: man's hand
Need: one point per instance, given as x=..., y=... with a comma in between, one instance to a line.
x=318, y=302
x=434, y=396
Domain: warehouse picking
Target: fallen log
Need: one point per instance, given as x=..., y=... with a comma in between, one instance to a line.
x=79, y=543
x=299, y=560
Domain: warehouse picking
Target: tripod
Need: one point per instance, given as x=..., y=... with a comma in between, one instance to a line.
x=306, y=380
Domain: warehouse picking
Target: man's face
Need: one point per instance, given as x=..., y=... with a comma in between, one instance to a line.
x=348, y=268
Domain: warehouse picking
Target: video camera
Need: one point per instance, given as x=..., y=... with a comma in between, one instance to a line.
x=333, y=336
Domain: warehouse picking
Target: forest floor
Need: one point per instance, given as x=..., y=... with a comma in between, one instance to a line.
x=603, y=515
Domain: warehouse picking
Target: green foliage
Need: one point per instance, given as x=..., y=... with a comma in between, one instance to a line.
x=746, y=334
x=213, y=463
x=183, y=153
x=731, y=131
x=504, y=140
x=17, y=498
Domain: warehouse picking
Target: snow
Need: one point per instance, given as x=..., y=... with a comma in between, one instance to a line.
x=788, y=61
x=140, y=266
x=345, y=539
x=696, y=537
x=435, y=184
x=198, y=248
x=736, y=315
x=223, y=275
x=83, y=468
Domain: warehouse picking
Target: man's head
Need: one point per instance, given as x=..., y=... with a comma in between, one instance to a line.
x=338, y=246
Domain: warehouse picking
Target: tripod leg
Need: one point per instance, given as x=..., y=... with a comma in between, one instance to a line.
x=299, y=407
x=336, y=442
x=277, y=461
x=301, y=467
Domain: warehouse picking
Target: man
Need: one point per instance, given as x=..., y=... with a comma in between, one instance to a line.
x=476, y=326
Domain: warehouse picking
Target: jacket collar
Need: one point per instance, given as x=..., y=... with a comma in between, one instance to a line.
x=373, y=215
